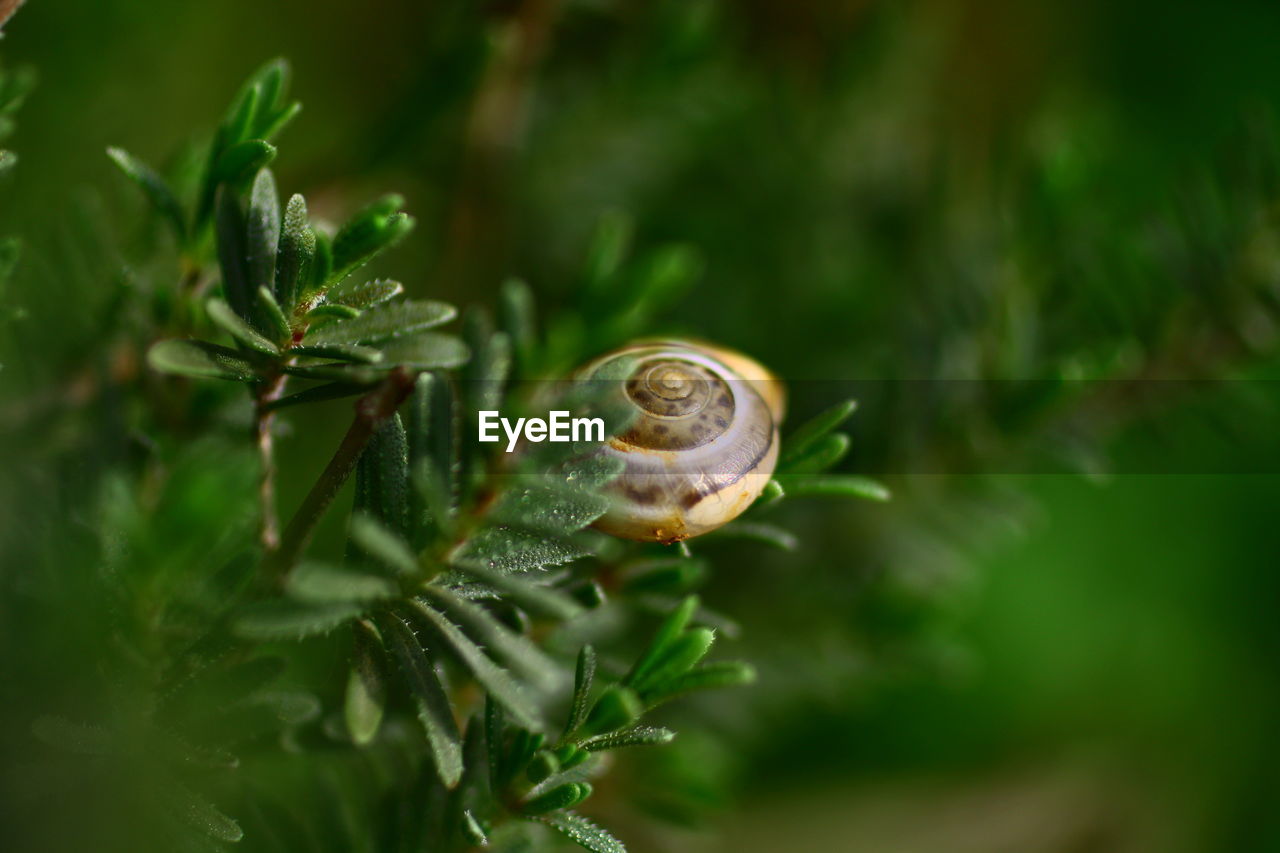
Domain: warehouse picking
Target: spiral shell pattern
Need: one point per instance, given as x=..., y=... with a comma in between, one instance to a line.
x=702, y=446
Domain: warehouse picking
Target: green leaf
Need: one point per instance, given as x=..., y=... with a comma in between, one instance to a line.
x=543, y=767
x=839, y=485
x=666, y=575
x=583, y=677
x=74, y=737
x=680, y=655
x=427, y=351
x=366, y=694
x=799, y=442
x=271, y=312
x=366, y=295
x=342, y=372
x=516, y=650
x=485, y=375
x=668, y=632
x=385, y=322
x=7, y=161
x=154, y=187
x=296, y=252
x=755, y=531
x=495, y=680
x=232, y=250
x=198, y=812
x=560, y=797
x=511, y=550
x=549, y=508
x=318, y=394
x=634, y=736
x=773, y=492
x=821, y=455
x=431, y=458
x=583, y=832
x=321, y=583
x=531, y=596
x=370, y=231
x=241, y=162
x=516, y=313
x=263, y=231
x=433, y=704
x=382, y=477
x=618, y=707
x=340, y=352
x=708, y=676
x=283, y=619
x=200, y=358
x=231, y=323
x=325, y=311
x=379, y=543
x=609, y=246
x=321, y=263
x=472, y=830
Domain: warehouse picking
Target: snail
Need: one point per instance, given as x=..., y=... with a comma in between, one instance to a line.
x=701, y=445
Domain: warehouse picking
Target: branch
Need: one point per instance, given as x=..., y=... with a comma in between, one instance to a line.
x=263, y=419
x=371, y=411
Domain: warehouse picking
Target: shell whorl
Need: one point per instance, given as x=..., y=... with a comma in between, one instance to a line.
x=702, y=445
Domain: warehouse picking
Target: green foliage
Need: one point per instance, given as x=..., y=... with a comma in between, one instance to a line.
x=466, y=573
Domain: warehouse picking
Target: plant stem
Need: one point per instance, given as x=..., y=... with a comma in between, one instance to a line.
x=371, y=411
x=263, y=419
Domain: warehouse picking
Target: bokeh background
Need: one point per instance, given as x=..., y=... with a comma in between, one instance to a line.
x=1007, y=224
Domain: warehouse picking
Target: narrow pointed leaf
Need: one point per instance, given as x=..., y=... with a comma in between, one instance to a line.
x=366, y=295
x=433, y=705
x=670, y=630
x=263, y=230
x=296, y=251
x=200, y=358
x=384, y=322
x=340, y=352
x=366, y=694
x=242, y=161
x=799, y=442
x=839, y=485
x=320, y=582
x=495, y=680
x=154, y=187
x=320, y=393
x=531, y=596
x=427, y=351
x=232, y=251
x=709, y=676
x=273, y=315
x=199, y=813
x=634, y=736
x=231, y=323
x=516, y=650
x=679, y=657
x=382, y=477
x=584, y=676
x=379, y=543
x=516, y=314
x=289, y=619
x=583, y=832
x=821, y=455
x=512, y=550
x=560, y=797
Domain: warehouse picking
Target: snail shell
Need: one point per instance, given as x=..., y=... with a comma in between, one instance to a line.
x=702, y=446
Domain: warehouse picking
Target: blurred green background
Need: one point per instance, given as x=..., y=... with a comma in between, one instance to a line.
x=1005, y=658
